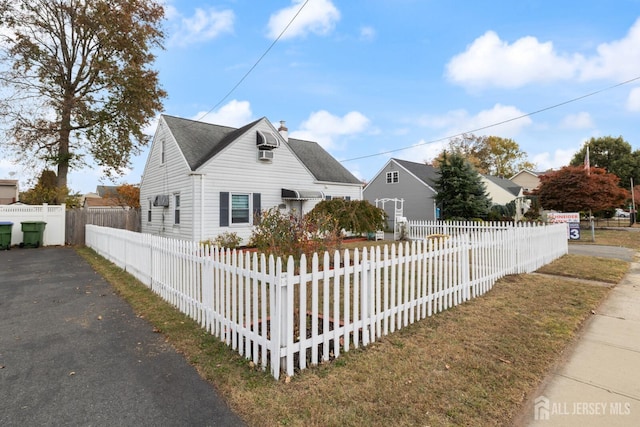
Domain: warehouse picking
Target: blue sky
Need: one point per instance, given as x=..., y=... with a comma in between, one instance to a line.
x=374, y=79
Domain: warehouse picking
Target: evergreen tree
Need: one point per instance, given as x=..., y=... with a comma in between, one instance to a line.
x=461, y=194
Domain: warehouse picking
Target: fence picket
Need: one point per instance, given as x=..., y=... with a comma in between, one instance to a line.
x=351, y=299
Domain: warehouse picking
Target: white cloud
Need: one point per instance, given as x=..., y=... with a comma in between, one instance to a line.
x=317, y=17
x=555, y=160
x=633, y=101
x=422, y=151
x=503, y=117
x=367, y=33
x=150, y=128
x=580, y=120
x=204, y=25
x=456, y=122
x=618, y=60
x=323, y=127
x=8, y=170
x=489, y=61
x=233, y=114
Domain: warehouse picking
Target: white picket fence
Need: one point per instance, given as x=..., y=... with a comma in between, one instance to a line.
x=286, y=318
x=417, y=230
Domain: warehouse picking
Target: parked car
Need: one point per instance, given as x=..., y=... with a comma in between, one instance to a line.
x=621, y=213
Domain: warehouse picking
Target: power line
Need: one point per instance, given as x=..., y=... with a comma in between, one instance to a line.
x=257, y=62
x=497, y=123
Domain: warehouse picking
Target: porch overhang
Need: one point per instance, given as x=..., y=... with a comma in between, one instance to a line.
x=288, y=194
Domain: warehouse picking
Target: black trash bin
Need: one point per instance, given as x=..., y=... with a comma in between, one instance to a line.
x=5, y=234
x=32, y=233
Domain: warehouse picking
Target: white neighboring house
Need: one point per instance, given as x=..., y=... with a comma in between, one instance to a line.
x=202, y=180
x=502, y=191
x=527, y=179
x=8, y=191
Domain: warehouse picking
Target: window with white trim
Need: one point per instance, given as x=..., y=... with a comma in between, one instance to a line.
x=176, y=209
x=149, y=211
x=393, y=177
x=240, y=209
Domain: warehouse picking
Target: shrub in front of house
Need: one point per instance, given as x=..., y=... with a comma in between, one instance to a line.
x=284, y=234
x=227, y=240
x=355, y=216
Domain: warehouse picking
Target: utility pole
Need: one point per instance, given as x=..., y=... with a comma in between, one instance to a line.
x=633, y=205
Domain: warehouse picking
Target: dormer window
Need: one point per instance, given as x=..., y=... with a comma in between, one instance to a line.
x=267, y=140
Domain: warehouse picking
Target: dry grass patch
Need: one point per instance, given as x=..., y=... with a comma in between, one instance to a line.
x=472, y=365
x=590, y=268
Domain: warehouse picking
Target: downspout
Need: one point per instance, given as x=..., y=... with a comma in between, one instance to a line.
x=200, y=232
x=201, y=207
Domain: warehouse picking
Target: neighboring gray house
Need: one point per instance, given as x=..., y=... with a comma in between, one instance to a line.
x=202, y=180
x=414, y=183
x=407, y=181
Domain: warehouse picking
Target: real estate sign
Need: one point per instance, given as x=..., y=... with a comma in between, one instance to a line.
x=572, y=219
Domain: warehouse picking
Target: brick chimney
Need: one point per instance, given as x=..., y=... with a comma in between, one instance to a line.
x=283, y=131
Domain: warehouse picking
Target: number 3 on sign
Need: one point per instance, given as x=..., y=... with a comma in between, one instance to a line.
x=574, y=231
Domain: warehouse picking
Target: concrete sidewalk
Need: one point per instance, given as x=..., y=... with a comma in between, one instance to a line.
x=73, y=353
x=599, y=382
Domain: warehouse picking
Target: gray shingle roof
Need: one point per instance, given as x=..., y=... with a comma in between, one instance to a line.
x=506, y=184
x=426, y=173
x=200, y=141
x=322, y=165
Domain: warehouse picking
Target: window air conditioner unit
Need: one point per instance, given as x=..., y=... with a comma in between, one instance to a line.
x=161, y=200
x=265, y=155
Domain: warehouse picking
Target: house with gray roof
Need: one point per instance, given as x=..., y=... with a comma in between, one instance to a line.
x=529, y=180
x=202, y=180
x=503, y=191
x=414, y=184
x=500, y=190
x=406, y=189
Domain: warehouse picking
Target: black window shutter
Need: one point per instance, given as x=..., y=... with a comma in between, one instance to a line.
x=256, y=205
x=224, y=209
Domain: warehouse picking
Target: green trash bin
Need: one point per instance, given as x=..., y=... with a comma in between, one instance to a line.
x=5, y=235
x=32, y=233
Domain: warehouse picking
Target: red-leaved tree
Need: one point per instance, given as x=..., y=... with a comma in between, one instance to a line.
x=574, y=189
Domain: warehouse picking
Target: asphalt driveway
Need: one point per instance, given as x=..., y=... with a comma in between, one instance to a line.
x=73, y=353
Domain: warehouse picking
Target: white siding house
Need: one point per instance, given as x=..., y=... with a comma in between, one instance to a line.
x=202, y=180
x=528, y=180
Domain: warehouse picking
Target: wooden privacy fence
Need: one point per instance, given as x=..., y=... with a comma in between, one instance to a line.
x=127, y=219
x=286, y=317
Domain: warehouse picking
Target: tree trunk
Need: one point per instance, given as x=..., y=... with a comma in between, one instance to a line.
x=63, y=143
